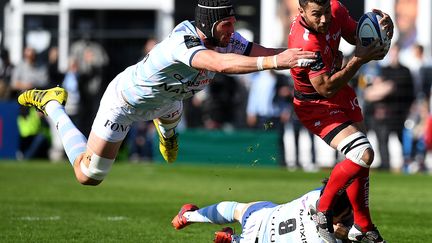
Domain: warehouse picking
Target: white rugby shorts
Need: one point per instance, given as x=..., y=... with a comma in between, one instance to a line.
x=115, y=116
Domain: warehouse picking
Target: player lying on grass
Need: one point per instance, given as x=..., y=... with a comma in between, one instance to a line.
x=154, y=89
x=269, y=222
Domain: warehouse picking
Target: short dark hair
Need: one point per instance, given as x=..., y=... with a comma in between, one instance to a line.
x=303, y=3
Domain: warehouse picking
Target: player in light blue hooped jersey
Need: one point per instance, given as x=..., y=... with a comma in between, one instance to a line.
x=153, y=89
x=265, y=222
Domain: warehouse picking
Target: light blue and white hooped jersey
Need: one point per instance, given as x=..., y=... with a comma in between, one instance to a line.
x=291, y=222
x=165, y=75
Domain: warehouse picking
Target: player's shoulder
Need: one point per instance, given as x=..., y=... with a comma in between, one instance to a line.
x=303, y=38
x=338, y=10
x=184, y=27
x=184, y=34
x=300, y=34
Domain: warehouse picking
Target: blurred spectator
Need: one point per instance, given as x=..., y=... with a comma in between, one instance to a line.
x=221, y=105
x=34, y=134
x=287, y=11
x=406, y=12
x=141, y=135
x=286, y=94
x=91, y=59
x=391, y=96
x=54, y=75
x=6, y=69
x=28, y=74
x=224, y=97
x=297, y=128
x=70, y=83
x=414, y=148
x=140, y=141
x=265, y=109
x=422, y=72
x=366, y=75
x=193, y=113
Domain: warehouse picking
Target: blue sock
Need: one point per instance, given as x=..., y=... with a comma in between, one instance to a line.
x=74, y=142
x=220, y=213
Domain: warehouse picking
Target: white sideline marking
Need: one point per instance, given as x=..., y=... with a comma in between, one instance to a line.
x=116, y=218
x=33, y=218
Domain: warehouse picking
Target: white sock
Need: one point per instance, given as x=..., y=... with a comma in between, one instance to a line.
x=220, y=213
x=74, y=142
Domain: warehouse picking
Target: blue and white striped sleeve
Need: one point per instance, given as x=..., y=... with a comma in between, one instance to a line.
x=186, y=47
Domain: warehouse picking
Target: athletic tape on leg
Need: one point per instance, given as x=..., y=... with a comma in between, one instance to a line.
x=354, y=146
x=98, y=167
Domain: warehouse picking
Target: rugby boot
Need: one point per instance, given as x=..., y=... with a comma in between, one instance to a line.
x=224, y=236
x=168, y=147
x=324, y=225
x=179, y=222
x=39, y=98
x=356, y=235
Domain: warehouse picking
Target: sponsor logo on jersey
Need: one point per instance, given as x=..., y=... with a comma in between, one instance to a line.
x=302, y=227
x=354, y=103
x=178, y=89
x=172, y=115
x=318, y=64
x=238, y=45
x=191, y=41
x=334, y=112
x=187, y=86
x=116, y=127
x=336, y=35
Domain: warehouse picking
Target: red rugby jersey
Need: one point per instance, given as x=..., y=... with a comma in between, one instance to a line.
x=301, y=36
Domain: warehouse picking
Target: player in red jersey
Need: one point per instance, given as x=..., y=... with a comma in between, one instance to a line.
x=328, y=107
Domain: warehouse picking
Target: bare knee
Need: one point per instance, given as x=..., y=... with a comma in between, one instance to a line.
x=88, y=181
x=80, y=176
x=368, y=156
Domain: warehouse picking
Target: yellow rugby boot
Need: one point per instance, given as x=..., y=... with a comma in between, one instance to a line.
x=167, y=146
x=39, y=98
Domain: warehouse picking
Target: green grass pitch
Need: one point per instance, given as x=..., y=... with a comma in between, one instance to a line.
x=42, y=202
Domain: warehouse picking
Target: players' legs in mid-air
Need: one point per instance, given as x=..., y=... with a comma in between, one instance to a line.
x=352, y=175
x=165, y=126
x=93, y=159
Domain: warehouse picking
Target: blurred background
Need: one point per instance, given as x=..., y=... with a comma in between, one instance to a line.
x=241, y=119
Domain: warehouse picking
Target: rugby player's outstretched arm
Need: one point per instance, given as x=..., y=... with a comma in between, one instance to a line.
x=236, y=64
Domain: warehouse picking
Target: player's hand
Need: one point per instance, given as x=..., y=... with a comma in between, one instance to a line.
x=374, y=51
x=295, y=57
x=386, y=22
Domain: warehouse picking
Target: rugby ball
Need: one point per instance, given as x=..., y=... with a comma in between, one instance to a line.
x=369, y=29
